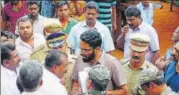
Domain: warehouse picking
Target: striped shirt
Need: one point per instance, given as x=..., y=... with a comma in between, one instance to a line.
x=105, y=11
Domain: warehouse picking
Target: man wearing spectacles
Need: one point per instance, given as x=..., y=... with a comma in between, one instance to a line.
x=91, y=54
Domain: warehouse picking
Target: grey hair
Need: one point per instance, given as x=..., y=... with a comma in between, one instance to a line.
x=92, y=5
x=53, y=58
x=132, y=11
x=30, y=75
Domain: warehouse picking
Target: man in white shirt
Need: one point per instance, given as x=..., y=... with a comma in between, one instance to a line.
x=27, y=40
x=137, y=25
x=36, y=80
x=30, y=77
x=56, y=64
x=9, y=63
x=92, y=24
x=33, y=14
x=146, y=9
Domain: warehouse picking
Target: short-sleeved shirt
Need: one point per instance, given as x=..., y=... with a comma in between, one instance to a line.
x=105, y=11
x=9, y=15
x=117, y=76
x=133, y=74
x=146, y=13
x=148, y=30
x=74, y=36
x=24, y=50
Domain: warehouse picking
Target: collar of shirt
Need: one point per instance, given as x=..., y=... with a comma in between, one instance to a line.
x=101, y=59
x=84, y=24
x=166, y=90
x=51, y=75
x=24, y=43
x=46, y=48
x=139, y=27
x=144, y=66
x=40, y=17
x=7, y=72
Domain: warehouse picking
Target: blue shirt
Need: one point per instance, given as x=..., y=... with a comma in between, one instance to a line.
x=171, y=77
x=146, y=13
x=47, y=8
x=105, y=12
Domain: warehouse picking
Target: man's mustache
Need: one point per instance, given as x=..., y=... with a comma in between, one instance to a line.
x=135, y=57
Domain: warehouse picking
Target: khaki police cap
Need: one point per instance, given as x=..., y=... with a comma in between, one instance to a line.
x=139, y=42
x=52, y=25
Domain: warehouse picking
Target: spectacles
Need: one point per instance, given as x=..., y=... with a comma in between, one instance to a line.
x=85, y=50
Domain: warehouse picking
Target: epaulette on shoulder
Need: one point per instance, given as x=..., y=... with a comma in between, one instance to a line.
x=124, y=61
x=37, y=49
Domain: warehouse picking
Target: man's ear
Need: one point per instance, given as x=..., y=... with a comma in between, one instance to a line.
x=5, y=63
x=152, y=85
x=41, y=82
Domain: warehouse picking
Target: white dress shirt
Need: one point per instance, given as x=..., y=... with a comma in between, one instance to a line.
x=148, y=30
x=8, y=82
x=74, y=36
x=24, y=50
x=51, y=84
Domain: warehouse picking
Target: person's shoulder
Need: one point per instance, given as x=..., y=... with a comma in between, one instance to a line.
x=7, y=6
x=108, y=56
x=38, y=50
x=170, y=93
x=74, y=20
x=100, y=24
x=150, y=65
x=77, y=25
x=147, y=26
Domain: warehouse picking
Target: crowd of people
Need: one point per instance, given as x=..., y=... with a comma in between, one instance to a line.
x=46, y=46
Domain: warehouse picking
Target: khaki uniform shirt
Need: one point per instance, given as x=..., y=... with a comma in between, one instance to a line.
x=117, y=76
x=40, y=55
x=133, y=74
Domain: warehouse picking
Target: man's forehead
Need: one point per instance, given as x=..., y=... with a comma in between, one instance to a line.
x=63, y=6
x=91, y=10
x=24, y=23
x=130, y=17
x=33, y=6
x=84, y=44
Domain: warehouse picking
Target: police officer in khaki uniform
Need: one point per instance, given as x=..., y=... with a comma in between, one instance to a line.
x=55, y=39
x=133, y=67
x=153, y=83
